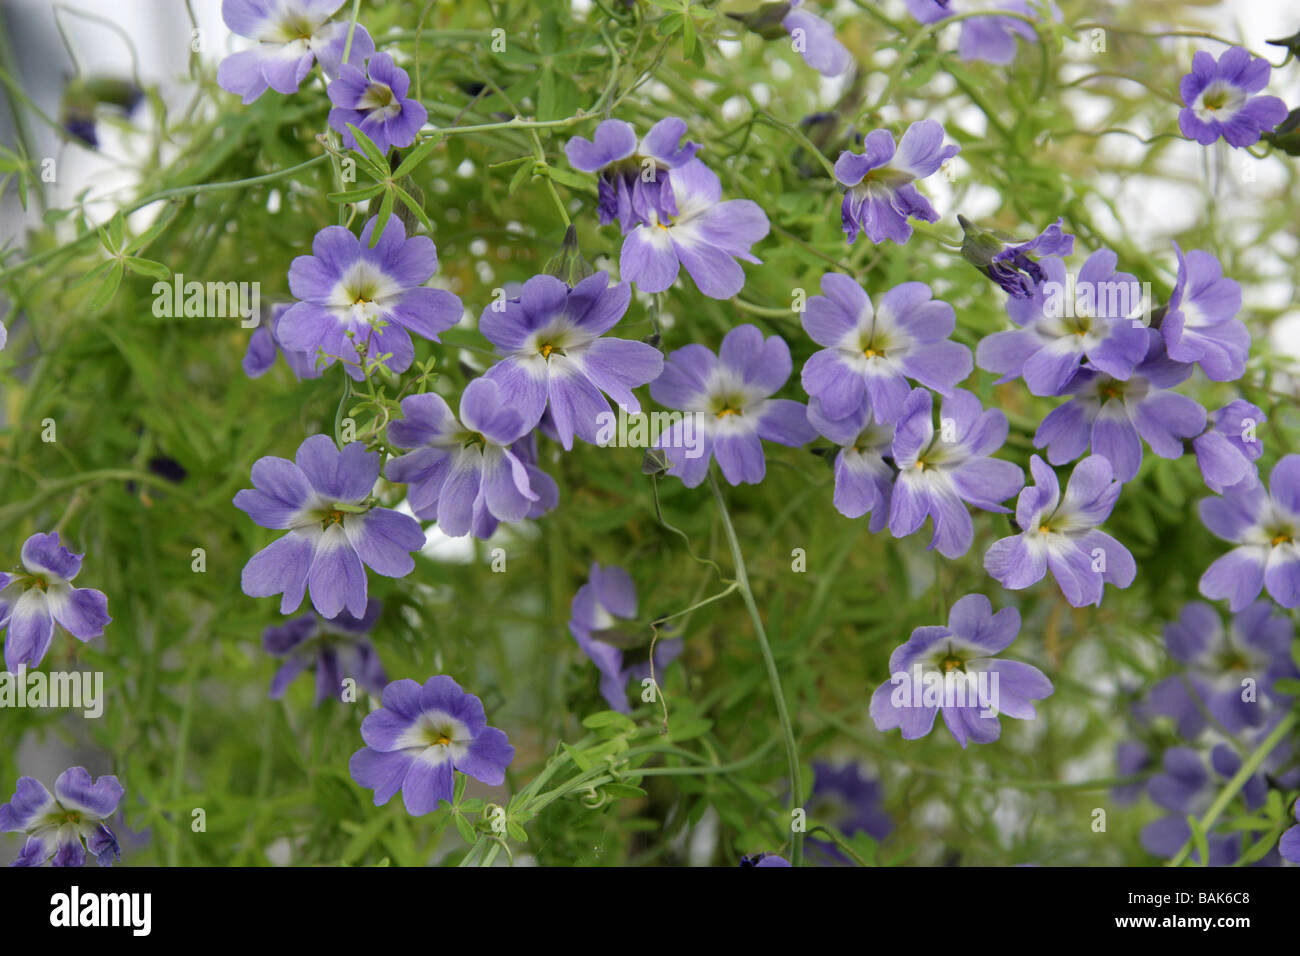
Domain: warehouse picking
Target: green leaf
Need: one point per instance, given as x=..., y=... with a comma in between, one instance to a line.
x=381, y=220
x=371, y=152
x=104, y=294
x=516, y=831
x=609, y=718
x=465, y=829
x=356, y=195
x=410, y=203
x=416, y=157
x=524, y=172
x=623, y=790
x=148, y=267
x=566, y=178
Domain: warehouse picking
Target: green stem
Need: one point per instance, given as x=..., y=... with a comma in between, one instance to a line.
x=769, y=661
x=1233, y=786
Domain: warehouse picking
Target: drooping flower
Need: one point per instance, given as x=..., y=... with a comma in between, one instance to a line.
x=321, y=499
x=360, y=304
x=1064, y=324
x=84, y=96
x=291, y=35
x=705, y=235
x=880, y=195
x=1114, y=415
x=376, y=103
x=1218, y=100
x=727, y=404
x=33, y=599
x=1256, y=648
x=871, y=351
x=602, y=620
x=57, y=825
x=1227, y=450
x=556, y=355
x=939, y=473
x=336, y=649
x=989, y=38
x=264, y=345
x=632, y=174
x=1264, y=524
x=1200, y=324
x=1013, y=265
x=864, y=481
x=1061, y=534
x=1186, y=788
x=420, y=736
x=954, y=669
x=814, y=39
x=462, y=472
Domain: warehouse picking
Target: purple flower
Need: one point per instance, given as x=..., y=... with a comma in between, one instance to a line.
x=264, y=345
x=704, y=234
x=864, y=481
x=291, y=35
x=555, y=354
x=359, y=304
x=376, y=103
x=728, y=408
x=1227, y=450
x=1061, y=534
x=1063, y=324
x=1114, y=415
x=939, y=473
x=57, y=825
x=463, y=472
x=620, y=653
x=1131, y=759
x=870, y=352
x=542, y=484
x=953, y=669
x=420, y=736
x=1199, y=324
x=850, y=801
x=1186, y=788
x=632, y=174
x=1013, y=265
x=1289, y=845
x=1218, y=102
x=1256, y=648
x=814, y=40
x=320, y=499
x=336, y=648
x=34, y=598
x=880, y=197
x=989, y=38
x=764, y=859
x=1265, y=525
